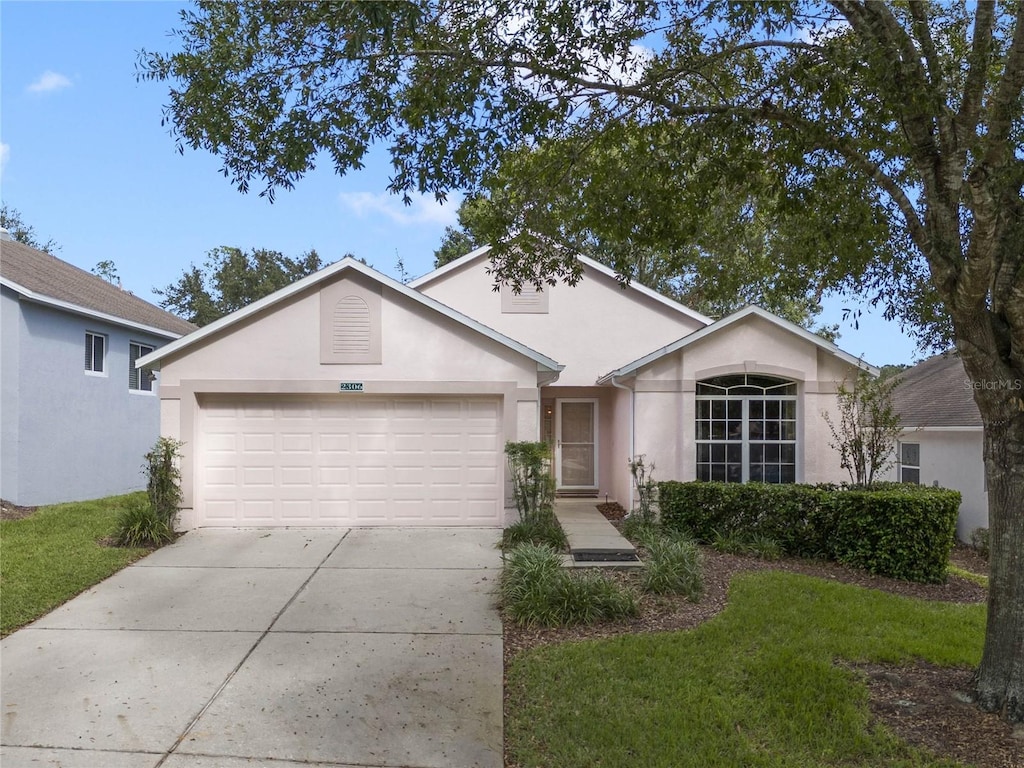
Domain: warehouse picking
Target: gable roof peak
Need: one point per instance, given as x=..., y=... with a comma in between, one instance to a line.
x=587, y=261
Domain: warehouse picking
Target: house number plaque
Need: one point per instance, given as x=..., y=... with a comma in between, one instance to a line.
x=350, y=386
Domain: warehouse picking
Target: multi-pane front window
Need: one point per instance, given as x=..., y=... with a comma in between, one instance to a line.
x=746, y=429
x=139, y=379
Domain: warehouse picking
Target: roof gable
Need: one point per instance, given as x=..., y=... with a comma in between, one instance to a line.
x=473, y=257
x=334, y=270
x=41, y=277
x=936, y=393
x=726, y=322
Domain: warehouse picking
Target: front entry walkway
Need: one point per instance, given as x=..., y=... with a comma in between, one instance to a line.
x=286, y=647
x=593, y=541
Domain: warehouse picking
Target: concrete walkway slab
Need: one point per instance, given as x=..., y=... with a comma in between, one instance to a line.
x=431, y=701
x=233, y=600
x=396, y=600
x=418, y=548
x=111, y=690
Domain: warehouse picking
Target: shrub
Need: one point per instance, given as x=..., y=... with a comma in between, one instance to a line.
x=979, y=540
x=138, y=525
x=764, y=547
x=540, y=529
x=646, y=488
x=673, y=566
x=537, y=591
x=163, y=484
x=532, y=484
x=903, y=531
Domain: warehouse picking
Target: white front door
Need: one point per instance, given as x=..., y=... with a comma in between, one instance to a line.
x=576, y=443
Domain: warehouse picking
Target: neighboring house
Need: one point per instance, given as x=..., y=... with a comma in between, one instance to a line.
x=942, y=442
x=76, y=415
x=348, y=398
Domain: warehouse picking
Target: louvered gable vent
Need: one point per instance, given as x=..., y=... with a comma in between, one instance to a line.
x=351, y=327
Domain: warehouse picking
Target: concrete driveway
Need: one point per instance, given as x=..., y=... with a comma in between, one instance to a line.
x=366, y=647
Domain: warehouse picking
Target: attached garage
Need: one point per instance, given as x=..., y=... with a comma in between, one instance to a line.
x=347, y=399
x=353, y=461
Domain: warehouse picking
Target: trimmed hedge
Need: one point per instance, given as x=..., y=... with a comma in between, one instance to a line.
x=903, y=531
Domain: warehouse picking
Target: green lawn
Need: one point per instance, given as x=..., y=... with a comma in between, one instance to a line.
x=50, y=557
x=755, y=686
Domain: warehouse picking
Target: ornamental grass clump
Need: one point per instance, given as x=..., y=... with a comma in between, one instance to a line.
x=537, y=591
x=672, y=567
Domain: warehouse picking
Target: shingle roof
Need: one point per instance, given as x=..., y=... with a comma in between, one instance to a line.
x=46, y=275
x=936, y=393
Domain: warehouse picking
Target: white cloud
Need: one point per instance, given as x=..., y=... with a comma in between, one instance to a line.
x=5, y=153
x=49, y=81
x=423, y=210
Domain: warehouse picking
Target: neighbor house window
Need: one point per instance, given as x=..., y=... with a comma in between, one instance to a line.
x=139, y=379
x=746, y=429
x=95, y=352
x=910, y=463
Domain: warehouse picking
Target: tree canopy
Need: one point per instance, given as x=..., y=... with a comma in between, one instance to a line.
x=231, y=279
x=886, y=135
x=19, y=230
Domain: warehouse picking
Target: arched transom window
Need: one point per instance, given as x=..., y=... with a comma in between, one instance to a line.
x=746, y=429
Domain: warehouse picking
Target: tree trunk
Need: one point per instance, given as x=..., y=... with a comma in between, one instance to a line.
x=1000, y=678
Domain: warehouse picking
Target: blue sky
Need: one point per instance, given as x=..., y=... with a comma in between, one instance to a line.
x=87, y=163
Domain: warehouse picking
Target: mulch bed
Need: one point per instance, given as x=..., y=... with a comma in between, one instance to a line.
x=925, y=705
x=10, y=511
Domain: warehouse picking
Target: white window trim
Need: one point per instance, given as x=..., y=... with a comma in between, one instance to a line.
x=900, y=465
x=141, y=345
x=105, y=373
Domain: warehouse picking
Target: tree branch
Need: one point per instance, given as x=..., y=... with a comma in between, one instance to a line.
x=974, y=83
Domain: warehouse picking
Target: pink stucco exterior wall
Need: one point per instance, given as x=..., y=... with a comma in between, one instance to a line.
x=278, y=351
x=665, y=406
x=591, y=328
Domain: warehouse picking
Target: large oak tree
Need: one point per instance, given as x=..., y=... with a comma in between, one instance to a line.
x=891, y=130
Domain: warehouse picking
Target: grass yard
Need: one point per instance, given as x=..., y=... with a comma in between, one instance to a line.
x=758, y=685
x=51, y=556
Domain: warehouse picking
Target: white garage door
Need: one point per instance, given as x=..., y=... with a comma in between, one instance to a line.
x=359, y=460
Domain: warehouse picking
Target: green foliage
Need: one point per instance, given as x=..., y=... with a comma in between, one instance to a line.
x=646, y=489
x=672, y=566
x=902, y=531
x=868, y=427
x=906, y=532
x=757, y=686
x=139, y=525
x=537, y=591
x=107, y=269
x=10, y=219
x=979, y=540
x=51, y=556
x=538, y=529
x=743, y=543
x=797, y=517
x=232, y=279
x=163, y=480
x=533, y=486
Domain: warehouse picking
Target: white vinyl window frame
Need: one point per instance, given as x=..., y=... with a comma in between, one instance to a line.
x=910, y=463
x=140, y=380
x=95, y=354
x=746, y=428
